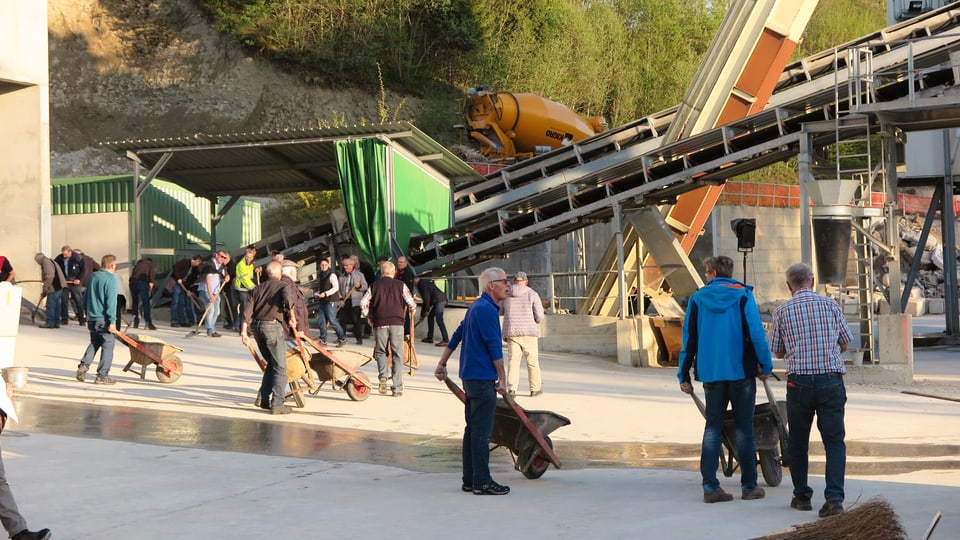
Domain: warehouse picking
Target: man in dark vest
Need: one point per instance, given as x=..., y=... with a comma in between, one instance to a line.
x=329, y=297
x=383, y=305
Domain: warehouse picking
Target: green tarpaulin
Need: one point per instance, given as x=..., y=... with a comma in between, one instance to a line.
x=361, y=165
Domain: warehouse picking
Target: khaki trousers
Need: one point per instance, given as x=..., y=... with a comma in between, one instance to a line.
x=523, y=348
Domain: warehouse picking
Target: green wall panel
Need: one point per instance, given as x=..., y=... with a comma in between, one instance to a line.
x=421, y=201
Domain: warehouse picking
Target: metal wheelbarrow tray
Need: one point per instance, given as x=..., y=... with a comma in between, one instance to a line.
x=524, y=433
x=341, y=369
x=148, y=350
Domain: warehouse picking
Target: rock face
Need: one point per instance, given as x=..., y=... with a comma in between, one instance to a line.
x=136, y=69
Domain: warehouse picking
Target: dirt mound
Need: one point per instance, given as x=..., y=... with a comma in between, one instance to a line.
x=132, y=69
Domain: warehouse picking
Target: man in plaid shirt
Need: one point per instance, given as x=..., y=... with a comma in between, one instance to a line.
x=809, y=330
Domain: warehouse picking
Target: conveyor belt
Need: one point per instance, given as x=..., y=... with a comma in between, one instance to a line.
x=548, y=196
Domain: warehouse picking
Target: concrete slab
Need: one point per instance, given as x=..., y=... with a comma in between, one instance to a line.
x=900, y=446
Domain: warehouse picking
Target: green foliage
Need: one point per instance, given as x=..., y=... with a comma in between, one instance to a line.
x=835, y=22
x=299, y=207
x=622, y=59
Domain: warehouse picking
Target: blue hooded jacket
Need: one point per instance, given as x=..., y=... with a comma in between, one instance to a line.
x=713, y=334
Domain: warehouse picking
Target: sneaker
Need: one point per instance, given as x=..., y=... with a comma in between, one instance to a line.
x=491, y=488
x=717, y=496
x=150, y=326
x=442, y=343
x=285, y=409
x=341, y=342
x=535, y=393
x=430, y=340
x=801, y=503
x=831, y=508
x=42, y=534
x=753, y=494
x=322, y=342
x=49, y=325
x=512, y=393
x=82, y=372
x=466, y=488
x=175, y=325
x=215, y=334
x=383, y=386
x=104, y=380
x=397, y=393
x=136, y=324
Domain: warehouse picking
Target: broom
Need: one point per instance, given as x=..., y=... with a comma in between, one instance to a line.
x=872, y=520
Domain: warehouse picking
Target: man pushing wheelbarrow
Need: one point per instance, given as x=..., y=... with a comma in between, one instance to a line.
x=481, y=370
x=267, y=311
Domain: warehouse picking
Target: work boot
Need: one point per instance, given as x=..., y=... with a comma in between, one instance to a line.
x=753, y=494
x=82, y=372
x=42, y=534
x=286, y=409
x=717, y=496
x=831, y=508
x=801, y=503
x=383, y=386
x=104, y=380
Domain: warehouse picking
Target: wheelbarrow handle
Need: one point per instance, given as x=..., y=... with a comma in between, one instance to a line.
x=699, y=402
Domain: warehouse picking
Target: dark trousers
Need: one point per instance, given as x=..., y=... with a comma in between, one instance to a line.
x=824, y=396
x=436, y=314
x=273, y=347
x=140, y=291
x=741, y=395
x=72, y=296
x=350, y=314
x=53, y=307
x=479, y=409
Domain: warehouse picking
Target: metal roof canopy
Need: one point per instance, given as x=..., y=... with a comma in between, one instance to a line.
x=269, y=162
x=277, y=162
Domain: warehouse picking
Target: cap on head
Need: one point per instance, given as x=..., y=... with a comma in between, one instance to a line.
x=521, y=276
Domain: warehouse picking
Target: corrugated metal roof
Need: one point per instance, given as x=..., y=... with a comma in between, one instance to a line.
x=278, y=161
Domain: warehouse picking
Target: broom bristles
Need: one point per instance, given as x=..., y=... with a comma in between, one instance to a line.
x=872, y=520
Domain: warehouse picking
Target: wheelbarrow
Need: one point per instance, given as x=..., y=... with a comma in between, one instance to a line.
x=524, y=433
x=340, y=369
x=147, y=351
x=770, y=432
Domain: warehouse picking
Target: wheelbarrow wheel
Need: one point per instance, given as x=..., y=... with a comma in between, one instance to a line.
x=771, y=468
x=357, y=390
x=539, y=463
x=172, y=376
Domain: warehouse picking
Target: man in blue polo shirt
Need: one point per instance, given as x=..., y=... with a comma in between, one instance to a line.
x=481, y=370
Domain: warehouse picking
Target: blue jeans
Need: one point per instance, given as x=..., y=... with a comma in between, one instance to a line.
x=178, y=305
x=389, y=335
x=479, y=410
x=436, y=314
x=825, y=396
x=53, y=308
x=100, y=339
x=273, y=347
x=741, y=395
x=214, y=312
x=328, y=314
x=140, y=290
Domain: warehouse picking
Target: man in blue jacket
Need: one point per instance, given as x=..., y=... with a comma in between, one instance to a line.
x=725, y=343
x=481, y=370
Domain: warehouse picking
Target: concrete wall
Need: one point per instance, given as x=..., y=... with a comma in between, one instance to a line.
x=777, y=247
x=24, y=136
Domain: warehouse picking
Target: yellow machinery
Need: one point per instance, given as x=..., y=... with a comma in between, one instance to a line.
x=518, y=126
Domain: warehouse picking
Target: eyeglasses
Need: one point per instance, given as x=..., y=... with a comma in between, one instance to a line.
x=504, y=281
